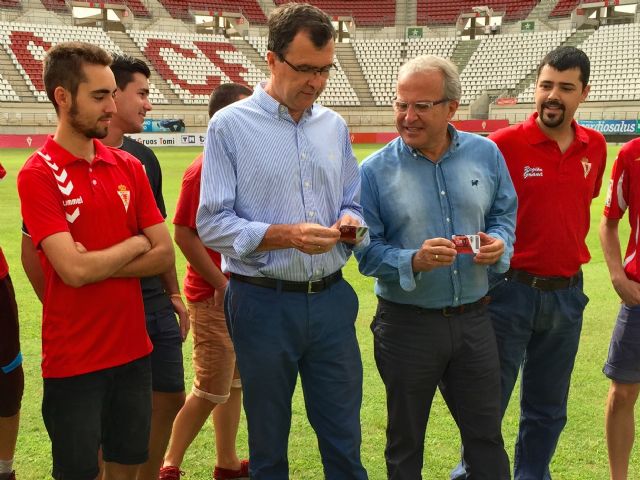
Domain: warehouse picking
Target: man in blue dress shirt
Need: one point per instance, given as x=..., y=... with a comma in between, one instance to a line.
x=279, y=179
x=432, y=326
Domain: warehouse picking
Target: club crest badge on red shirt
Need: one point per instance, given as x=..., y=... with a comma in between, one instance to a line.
x=586, y=166
x=125, y=196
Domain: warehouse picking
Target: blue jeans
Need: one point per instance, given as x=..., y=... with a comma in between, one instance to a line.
x=537, y=333
x=277, y=335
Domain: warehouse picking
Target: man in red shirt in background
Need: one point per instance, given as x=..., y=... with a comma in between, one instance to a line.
x=536, y=307
x=11, y=374
x=92, y=216
x=623, y=362
x=556, y=167
x=217, y=384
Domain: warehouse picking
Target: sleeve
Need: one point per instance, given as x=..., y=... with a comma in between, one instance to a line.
x=42, y=212
x=601, y=165
x=219, y=227
x=618, y=195
x=378, y=258
x=500, y=222
x=147, y=212
x=351, y=191
x=188, y=199
x=157, y=188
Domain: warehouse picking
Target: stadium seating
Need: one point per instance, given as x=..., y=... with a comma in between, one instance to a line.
x=136, y=6
x=10, y=4
x=338, y=91
x=442, y=12
x=564, y=7
x=502, y=61
x=364, y=12
x=26, y=44
x=249, y=8
x=58, y=6
x=7, y=94
x=381, y=59
x=194, y=64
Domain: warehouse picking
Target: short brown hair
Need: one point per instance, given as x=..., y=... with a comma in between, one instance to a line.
x=286, y=21
x=62, y=66
x=226, y=94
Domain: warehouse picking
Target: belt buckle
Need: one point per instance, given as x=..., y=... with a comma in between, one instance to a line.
x=312, y=284
x=534, y=282
x=447, y=311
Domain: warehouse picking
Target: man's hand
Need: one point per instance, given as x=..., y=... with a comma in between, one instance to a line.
x=183, y=315
x=491, y=249
x=348, y=220
x=627, y=290
x=434, y=252
x=313, y=239
x=218, y=295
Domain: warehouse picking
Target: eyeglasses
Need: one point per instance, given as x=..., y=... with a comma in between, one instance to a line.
x=419, y=107
x=308, y=69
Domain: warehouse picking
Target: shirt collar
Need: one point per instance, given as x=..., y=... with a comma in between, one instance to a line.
x=453, y=146
x=63, y=157
x=271, y=105
x=535, y=135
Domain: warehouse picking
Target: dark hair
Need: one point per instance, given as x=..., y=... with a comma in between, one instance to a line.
x=566, y=58
x=124, y=66
x=287, y=20
x=226, y=94
x=62, y=66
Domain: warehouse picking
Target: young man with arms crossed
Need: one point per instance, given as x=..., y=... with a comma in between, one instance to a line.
x=161, y=293
x=92, y=216
x=217, y=384
x=623, y=362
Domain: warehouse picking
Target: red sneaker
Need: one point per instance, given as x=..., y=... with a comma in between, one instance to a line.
x=226, y=474
x=170, y=473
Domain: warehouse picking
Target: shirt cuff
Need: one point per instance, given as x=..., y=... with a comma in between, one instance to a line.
x=249, y=239
x=405, y=270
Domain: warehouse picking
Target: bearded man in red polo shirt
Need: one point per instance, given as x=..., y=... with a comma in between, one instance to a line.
x=556, y=166
x=92, y=216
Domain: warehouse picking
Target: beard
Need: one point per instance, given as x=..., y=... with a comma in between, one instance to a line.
x=81, y=126
x=558, y=117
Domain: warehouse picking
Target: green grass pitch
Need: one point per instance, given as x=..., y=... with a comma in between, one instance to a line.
x=581, y=453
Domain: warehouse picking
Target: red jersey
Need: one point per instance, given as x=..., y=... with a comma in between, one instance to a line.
x=554, y=190
x=4, y=268
x=100, y=325
x=196, y=288
x=624, y=192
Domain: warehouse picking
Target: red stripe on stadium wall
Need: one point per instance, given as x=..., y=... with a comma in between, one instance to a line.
x=22, y=141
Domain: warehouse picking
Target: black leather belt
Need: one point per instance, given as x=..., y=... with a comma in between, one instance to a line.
x=445, y=311
x=313, y=286
x=542, y=283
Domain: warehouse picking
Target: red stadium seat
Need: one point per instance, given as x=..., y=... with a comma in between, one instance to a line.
x=442, y=12
x=364, y=12
x=249, y=8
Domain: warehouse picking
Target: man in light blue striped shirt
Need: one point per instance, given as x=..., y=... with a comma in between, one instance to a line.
x=279, y=179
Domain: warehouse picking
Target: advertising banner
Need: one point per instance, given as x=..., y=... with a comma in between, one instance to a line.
x=612, y=127
x=152, y=125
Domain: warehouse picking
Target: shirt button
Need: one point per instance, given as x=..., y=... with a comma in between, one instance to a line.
x=311, y=214
x=304, y=155
x=448, y=220
x=95, y=182
x=455, y=272
x=442, y=192
x=456, y=299
x=91, y=170
x=307, y=184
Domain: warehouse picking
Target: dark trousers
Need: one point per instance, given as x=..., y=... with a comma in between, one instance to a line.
x=278, y=335
x=415, y=350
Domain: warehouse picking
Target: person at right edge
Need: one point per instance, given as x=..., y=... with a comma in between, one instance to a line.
x=536, y=307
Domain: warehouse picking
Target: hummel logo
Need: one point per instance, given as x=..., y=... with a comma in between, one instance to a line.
x=474, y=183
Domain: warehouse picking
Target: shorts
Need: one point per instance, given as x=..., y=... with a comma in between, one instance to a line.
x=11, y=374
x=623, y=361
x=109, y=408
x=166, y=359
x=214, y=360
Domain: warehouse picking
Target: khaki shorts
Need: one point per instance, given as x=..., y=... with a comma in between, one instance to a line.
x=214, y=360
